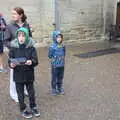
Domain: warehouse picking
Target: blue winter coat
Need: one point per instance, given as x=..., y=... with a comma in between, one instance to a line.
x=57, y=55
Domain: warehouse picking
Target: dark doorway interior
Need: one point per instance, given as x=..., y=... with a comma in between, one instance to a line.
x=118, y=14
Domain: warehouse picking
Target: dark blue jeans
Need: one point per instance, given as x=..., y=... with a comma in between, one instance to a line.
x=57, y=77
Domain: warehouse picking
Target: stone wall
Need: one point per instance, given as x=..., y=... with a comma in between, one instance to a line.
x=86, y=20
x=110, y=8
x=79, y=20
x=39, y=13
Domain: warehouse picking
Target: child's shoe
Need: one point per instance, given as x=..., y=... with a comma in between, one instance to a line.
x=61, y=91
x=54, y=92
x=26, y=114
x=35, y=112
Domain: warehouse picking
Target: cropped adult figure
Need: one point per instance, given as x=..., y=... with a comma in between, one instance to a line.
x=2, y=31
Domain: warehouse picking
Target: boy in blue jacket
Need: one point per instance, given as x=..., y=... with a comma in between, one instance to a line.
x=56, y=55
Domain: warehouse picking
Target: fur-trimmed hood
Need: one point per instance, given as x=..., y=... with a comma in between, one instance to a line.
x=15, y=43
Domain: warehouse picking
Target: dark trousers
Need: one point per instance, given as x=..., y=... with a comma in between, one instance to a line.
x=31, y=94
x=57, y=77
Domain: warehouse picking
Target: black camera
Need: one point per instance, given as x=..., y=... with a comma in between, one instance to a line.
x=18, y=61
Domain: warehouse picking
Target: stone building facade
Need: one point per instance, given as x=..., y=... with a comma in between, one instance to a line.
x=79, y=20
x=86, y=20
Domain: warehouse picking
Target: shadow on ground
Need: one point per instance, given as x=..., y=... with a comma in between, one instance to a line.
x=98, y=53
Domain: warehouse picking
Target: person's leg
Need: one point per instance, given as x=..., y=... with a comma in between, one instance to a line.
x=1, y=61
x=1, y=56
x=60, y=76
x=2, y=69
x=53, y=81
x=31, y=94
x=20, y=91
x=13, y=92
x=32, y=101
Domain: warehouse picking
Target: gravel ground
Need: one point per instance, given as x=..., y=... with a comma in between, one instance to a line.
x=91, y=88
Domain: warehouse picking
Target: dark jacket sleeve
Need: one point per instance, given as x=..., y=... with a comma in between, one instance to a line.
x=34, y=57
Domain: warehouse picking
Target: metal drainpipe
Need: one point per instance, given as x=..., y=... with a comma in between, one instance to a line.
x=57, y=15
x=115, y=11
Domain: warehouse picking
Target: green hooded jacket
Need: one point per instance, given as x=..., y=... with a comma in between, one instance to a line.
x=29, y=42
x=23, y=73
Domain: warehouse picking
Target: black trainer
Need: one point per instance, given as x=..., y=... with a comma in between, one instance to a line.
x=26, y=114
x=35, y=112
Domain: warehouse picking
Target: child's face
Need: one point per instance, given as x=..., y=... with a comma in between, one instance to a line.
x=59, y=39
x=21, y=37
